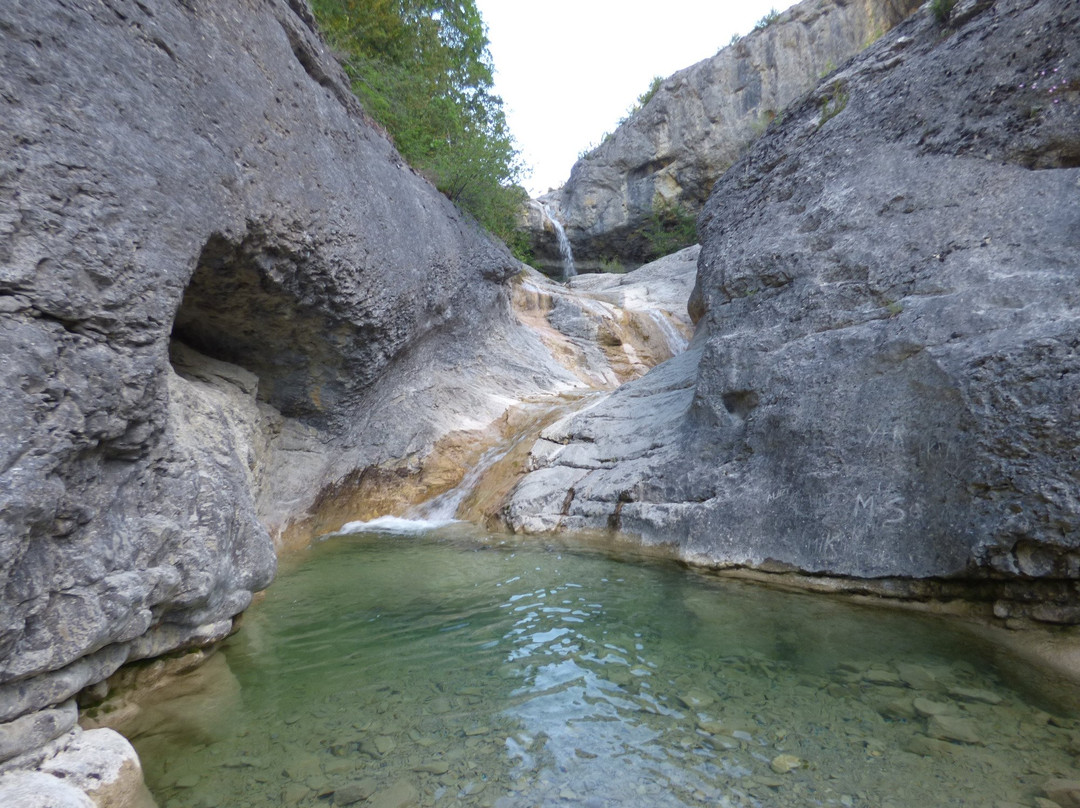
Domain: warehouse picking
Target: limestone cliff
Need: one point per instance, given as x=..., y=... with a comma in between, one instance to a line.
x=884, y=379
x=673, y=150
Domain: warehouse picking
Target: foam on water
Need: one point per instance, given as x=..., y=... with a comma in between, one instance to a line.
x=393, y=524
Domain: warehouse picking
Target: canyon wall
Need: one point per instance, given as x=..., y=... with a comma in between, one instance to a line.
x=885, y=379
x=673, y=150
x=210, y=262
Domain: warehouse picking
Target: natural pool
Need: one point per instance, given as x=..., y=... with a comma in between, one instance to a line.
x=453, y=669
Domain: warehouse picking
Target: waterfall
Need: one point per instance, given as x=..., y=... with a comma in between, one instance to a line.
x=567, y=254
x=443, y=508
x=675, y=340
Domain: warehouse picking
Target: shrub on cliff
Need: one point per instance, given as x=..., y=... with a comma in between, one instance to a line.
x=423, y=70
x=942, y=10
x=669, y=228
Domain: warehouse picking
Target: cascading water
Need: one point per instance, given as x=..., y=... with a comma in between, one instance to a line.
x=564, y=243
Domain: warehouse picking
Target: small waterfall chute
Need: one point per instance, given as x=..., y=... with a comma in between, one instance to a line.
x=565, y=252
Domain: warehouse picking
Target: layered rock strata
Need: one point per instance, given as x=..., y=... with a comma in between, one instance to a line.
x=672, y=151
x=883, y=385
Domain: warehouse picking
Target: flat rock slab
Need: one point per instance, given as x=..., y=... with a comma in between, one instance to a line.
x=401, y=794
x=953, y=728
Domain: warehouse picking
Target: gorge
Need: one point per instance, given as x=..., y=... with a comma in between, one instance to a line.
x=232, y=320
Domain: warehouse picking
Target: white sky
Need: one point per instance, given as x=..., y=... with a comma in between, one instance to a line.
x=568, y=70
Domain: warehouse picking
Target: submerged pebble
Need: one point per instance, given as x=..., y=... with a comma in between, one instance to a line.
x=782, y=764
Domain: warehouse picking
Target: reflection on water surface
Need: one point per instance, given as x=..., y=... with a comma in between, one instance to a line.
x=440, y=670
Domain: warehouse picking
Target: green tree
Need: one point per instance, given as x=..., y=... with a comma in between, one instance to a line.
x=423, y=70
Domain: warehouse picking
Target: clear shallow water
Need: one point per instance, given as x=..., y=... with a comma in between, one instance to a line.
x=436, y=670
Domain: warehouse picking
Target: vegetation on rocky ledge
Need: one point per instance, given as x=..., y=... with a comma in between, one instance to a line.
x=669, y=228
x=423, y=70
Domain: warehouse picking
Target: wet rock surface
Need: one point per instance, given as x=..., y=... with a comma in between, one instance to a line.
x=698, y=123
x=608, y=328
x=887, y=341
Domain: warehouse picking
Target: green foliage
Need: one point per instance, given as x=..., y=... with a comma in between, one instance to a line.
x=646, y=96
x=422, y=69
x=760, y=124
x=942, y=10
x=592, y=147
x=612, y=265
x=833, y=102
x=873, y=37
x=770, y=18
x=670, y=228
x=642, y=100
x=734, y=40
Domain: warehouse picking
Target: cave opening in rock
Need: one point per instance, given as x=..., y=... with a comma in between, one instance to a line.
x=242, y=306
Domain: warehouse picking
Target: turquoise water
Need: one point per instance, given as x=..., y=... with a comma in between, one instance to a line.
x=453, y=669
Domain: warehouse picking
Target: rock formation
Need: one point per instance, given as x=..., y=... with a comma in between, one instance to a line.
x=209, y=259
x=230, y=318
x=672, y=151
x=885, y=376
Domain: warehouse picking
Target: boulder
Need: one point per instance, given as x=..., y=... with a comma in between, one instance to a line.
x=93, y=769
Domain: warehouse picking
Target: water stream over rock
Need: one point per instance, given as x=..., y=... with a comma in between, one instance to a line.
x=565, y=251
x=460, y=668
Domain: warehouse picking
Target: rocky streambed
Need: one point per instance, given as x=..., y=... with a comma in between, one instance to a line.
x=454, y=667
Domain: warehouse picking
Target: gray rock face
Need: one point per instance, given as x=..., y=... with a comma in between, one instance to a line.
x=32, y=731
x=700, y=121
x=884, y=380
x=208, y=259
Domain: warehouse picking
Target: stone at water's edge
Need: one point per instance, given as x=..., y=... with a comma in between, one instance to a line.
x=886, y=376
x=698, y=123
x=93, y=769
